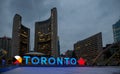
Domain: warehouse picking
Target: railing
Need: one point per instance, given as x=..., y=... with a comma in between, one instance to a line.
x=117, y=52
x=97, y=57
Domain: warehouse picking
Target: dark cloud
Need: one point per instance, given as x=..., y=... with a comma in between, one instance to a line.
x=77, y=19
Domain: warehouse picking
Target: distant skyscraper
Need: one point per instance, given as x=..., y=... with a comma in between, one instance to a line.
x=46, y=39
x=88, y=48
x=20, y=37
x=5, y=44
x=116, y=31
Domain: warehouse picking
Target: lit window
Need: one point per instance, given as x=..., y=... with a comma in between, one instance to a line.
x=86, y=44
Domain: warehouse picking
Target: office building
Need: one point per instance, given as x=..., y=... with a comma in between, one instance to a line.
x=46, y=38
x=20, y=37
x=116, y=31
x=88, y=48
x=5, y=44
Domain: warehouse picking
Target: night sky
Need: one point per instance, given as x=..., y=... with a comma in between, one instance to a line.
x=77, y=19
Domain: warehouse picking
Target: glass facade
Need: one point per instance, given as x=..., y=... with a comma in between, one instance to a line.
x=116, y=31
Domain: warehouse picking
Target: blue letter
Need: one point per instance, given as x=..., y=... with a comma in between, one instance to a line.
x=36, y=60
x=59, y=61
x=51, y=61
x=66, y=62
x=73, y=61
x=43, y=60
x=26, y=59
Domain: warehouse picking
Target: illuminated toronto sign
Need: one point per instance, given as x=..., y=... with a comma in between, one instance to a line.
x=35, y=60
x=50, y=61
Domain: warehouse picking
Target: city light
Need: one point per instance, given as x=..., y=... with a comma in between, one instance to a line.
x=81, y=62
x=18, y=60
x=49, y=61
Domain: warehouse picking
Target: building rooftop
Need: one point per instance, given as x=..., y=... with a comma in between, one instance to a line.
x=34, y=53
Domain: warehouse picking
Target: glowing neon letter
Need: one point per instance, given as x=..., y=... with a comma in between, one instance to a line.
x=66, y=60
x=59, y=61
x=73, y=61
x=43, y=60
x=35, y=58
x=51, y=61
x=26, y=59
